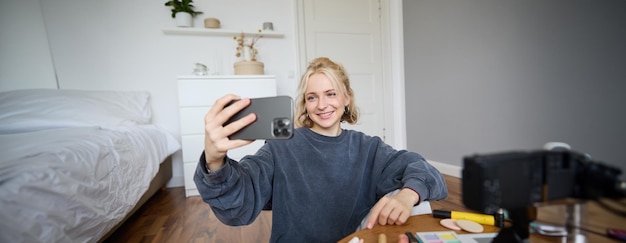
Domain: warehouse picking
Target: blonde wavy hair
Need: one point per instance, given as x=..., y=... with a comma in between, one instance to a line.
x=338, y=77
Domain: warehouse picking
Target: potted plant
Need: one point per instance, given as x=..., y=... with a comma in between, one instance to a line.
x=183, y=12
x=247, y=50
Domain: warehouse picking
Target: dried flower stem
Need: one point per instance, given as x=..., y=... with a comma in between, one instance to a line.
x=241, y=43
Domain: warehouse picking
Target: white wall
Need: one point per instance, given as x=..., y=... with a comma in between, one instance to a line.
x=491, y=75
x=119, y=45
x=25, y=60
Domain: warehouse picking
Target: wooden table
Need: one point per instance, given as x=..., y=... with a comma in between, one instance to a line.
x=418, y=223
x=598, y=219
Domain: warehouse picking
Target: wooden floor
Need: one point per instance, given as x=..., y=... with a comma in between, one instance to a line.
x=171, y=217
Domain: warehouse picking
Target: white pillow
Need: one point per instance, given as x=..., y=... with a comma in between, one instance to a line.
x=38, y=109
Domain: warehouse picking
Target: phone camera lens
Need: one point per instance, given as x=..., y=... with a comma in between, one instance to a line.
x=282, y=122
x=281, y=127
x=286, y=132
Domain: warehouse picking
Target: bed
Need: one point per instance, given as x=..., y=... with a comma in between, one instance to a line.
x=75, y=164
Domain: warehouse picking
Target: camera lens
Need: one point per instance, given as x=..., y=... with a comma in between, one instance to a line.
x=281, y=127
x=286, y=132
x=283, y=122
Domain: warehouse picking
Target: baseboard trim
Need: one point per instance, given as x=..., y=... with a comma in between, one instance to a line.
x=448, y=169
x=176, y=181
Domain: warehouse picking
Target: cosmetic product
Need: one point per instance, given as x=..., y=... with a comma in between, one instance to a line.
x=476, y=217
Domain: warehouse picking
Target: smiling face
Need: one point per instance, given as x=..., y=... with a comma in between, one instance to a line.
x=324, y=104
x=324, y=94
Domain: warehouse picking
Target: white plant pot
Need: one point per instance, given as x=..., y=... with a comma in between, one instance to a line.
x=183, y=19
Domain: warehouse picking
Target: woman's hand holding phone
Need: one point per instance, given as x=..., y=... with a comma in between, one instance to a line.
x=216, y=141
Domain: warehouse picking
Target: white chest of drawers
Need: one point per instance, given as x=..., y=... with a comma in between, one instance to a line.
x=196, y=95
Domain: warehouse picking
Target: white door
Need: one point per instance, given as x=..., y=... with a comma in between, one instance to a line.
x=349, y=32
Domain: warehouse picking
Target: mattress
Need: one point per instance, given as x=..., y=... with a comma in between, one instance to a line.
x=74, y=184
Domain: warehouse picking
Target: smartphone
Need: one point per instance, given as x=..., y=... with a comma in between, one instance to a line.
x=274, y=119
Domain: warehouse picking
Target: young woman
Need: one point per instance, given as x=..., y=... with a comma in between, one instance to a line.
x=323, y=181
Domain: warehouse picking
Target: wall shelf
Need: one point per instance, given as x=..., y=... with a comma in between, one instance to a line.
x=218, y=32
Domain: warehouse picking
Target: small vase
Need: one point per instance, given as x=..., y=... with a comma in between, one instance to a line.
x=183, y=19
x=247, y=53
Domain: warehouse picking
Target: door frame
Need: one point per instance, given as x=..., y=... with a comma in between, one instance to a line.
x=392, y=47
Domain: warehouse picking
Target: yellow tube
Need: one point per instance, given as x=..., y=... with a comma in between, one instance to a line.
x=478, y=218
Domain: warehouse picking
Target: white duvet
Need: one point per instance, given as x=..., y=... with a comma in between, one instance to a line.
x=75, y=184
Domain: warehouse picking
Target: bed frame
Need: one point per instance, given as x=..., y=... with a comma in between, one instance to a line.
x=158, y=182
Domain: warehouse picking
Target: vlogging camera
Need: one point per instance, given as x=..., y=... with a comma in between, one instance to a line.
x=515, y=181
x=518, y=179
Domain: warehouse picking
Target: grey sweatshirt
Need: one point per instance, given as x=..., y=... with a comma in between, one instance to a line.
x=319, y=188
